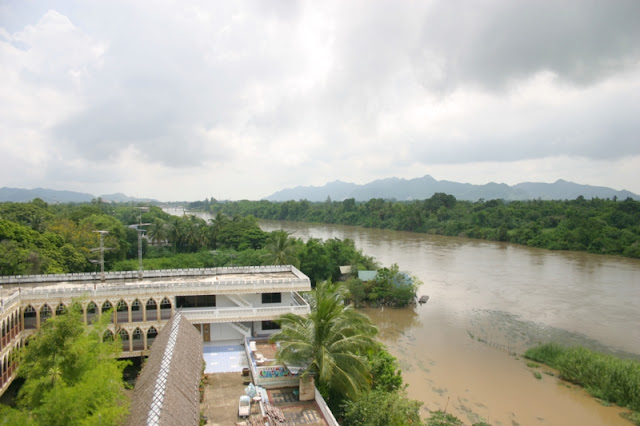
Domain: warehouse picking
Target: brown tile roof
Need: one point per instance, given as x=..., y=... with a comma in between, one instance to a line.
x=166, y=393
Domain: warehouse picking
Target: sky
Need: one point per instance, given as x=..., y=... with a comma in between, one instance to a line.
x=185, y=100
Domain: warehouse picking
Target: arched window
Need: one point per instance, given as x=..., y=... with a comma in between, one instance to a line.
x=122, y=311
x=106, y=306
x=152, y=310
x=61, y=309
x=136, y=311
x=165, y=309
x=45, y=313
x=151, y=336
x=124, y=336
x=107, y=336
x=92, y=312
x=138, y=341
x=29, y=318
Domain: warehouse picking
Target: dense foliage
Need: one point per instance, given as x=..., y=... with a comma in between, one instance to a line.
x=358, y=378
x=36, y=238
x=596, y=225
x=391, y=287
x=71, y=376
x=604, y=376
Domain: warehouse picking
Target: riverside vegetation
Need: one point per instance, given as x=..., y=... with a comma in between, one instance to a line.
x=606, y=377
x=600, y=226
x=37, y=238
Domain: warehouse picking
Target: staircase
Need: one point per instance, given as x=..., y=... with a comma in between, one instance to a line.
x=238, y=300
x=246, y=331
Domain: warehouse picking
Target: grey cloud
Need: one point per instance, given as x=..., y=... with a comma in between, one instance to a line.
x=606, y=131
x=493, y=43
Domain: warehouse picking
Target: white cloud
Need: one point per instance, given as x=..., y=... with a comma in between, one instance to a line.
x=240, y=99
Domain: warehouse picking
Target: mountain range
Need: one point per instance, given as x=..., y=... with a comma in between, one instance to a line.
x=424, y=187
x=20, y=195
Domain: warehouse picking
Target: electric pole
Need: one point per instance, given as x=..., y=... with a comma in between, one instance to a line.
x=140, y=232
x=101, y=249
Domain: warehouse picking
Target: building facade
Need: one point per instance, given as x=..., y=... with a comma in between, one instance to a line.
x=224, y=304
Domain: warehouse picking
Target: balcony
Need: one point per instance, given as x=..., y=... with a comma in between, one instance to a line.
x=262, y=313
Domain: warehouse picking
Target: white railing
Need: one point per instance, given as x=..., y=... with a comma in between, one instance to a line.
x=203, y=315
x=173, y=288
x=160, y=273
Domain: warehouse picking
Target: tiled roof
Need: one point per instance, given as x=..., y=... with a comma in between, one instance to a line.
x=166, y=393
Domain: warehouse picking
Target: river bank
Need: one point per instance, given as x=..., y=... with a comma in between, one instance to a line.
x=510, y=297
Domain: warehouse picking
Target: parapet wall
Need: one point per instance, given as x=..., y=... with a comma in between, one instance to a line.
x=160, y=273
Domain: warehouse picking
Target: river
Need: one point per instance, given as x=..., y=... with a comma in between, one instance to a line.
x=490, y=299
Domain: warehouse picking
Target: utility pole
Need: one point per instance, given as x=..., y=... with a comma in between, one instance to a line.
x=101, y=249
x=140, y=231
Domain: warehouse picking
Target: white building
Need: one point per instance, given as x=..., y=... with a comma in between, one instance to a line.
x=224, y=304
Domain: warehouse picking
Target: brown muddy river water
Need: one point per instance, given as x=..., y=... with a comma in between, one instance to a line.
x=488, y=299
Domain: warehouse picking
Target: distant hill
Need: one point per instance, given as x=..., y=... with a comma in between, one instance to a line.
x=20, y=195
x=425, y=187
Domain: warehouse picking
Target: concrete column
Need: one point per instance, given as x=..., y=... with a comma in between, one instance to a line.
x=37, y=318
x=129, y=311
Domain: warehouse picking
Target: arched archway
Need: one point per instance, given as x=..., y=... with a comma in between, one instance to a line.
x=136, y=311
x=61, y=309
x=30, y=318
x=122, y=311
x=152, y=333
x=92, y=312
x=107, y=336
x=152, y=310
x=137, y=340
x=45, y=313
x=106, y=306
x=165, y=309
x=124, y=337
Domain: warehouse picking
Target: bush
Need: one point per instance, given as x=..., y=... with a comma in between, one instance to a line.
x=604, y=376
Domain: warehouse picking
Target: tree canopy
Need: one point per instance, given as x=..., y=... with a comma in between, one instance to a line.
x=331, y=343
x=71, y=376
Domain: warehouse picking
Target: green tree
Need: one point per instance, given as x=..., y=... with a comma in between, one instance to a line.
x=71, y=376
x=281, y=249
x=331, y=343
x=315, y=261
x=379, y=408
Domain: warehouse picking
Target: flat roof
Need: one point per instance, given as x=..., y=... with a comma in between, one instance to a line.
x=152, y=277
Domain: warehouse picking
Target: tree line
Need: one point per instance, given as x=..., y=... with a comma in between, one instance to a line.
x=603, y=226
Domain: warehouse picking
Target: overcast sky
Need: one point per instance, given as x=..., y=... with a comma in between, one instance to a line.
x=182, y=100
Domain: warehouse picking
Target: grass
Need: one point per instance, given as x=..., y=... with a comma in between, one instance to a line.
x=605, y=377
x=537, y=375
x=533, y=365
x=632, y=417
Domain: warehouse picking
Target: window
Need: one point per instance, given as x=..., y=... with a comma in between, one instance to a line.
x=271, y=297
x=201, y=301
x=270, y=325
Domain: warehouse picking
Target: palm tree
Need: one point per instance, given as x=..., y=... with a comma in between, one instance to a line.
x=281, y=250
x=330, y=343
x=157, y=231
x=216, y=226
